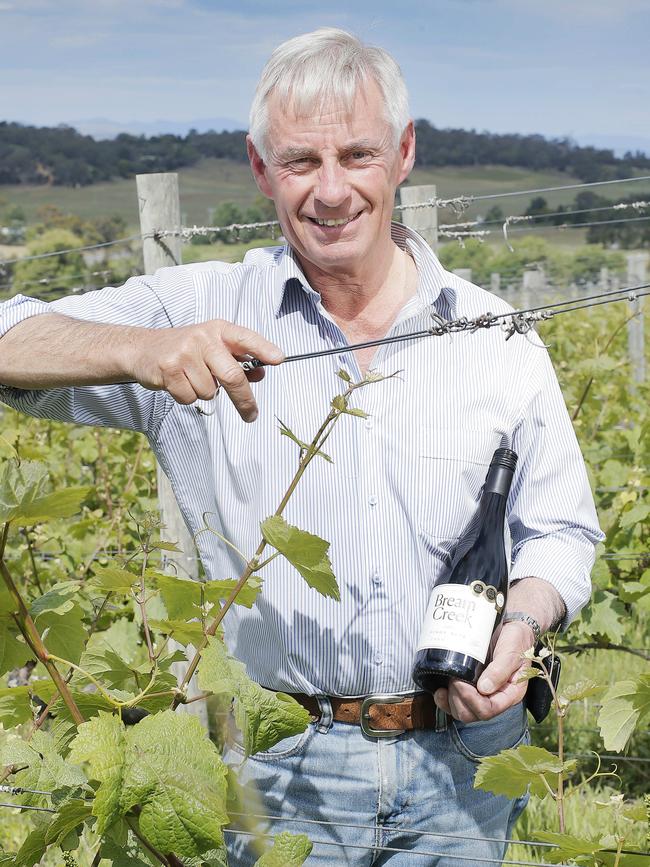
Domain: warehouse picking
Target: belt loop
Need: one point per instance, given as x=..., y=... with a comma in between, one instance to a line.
x=326, y=714
x=442, y=720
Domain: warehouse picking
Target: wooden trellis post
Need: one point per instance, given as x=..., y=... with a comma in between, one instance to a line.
x=423, y=220
x=159, y=207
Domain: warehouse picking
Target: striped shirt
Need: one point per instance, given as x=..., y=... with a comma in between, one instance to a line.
x=403, y=482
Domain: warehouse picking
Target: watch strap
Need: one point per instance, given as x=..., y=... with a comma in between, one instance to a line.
x=524, y=618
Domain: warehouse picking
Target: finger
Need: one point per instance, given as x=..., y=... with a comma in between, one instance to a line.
x=461, y=709
x=181, y=389
x=203, y=382
x=506, y=660
x=441, y=699
x=481, y=707
x=229, y=374
x=242, y=341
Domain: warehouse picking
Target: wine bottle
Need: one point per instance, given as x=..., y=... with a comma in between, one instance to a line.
x=466, y=608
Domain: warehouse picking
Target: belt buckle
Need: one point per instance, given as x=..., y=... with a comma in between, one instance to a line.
x=364, y=720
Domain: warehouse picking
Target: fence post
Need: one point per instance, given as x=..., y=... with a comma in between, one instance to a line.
x=495, y=283
x=159, y=207
x=637, y=265
x=423, y=220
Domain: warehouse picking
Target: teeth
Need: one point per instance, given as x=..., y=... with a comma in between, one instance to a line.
x=333, y=222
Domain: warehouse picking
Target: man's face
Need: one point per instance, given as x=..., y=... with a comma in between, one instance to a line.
x=333, y=178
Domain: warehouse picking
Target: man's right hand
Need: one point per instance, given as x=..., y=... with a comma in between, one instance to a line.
x=191, y=362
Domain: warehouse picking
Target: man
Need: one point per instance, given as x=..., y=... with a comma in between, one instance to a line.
x=330, y=141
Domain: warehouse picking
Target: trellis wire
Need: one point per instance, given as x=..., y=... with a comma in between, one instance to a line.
x=475, y=858
x=35, y=256
x=457, y=203
x=408, y=831
x=418, y=832
x=520, y=218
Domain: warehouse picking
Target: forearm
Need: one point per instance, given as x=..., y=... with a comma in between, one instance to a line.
x=52, y=350
x=539, y=599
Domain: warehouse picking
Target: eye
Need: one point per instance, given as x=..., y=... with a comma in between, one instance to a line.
x=302, y=162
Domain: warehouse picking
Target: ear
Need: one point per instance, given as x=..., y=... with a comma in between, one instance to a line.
x=407, y=151
x=258, y=167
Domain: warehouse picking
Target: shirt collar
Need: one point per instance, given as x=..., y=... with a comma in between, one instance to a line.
x=434, y=280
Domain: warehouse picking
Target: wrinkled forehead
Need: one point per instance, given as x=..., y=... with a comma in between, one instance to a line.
x=326, y=105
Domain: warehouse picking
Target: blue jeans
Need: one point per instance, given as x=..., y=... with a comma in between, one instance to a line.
x=368, y=792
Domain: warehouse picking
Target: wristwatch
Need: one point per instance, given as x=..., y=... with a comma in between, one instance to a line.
x=525, y=618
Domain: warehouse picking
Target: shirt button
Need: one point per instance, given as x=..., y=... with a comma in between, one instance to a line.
x=377, y=579
x=372, y=501
x=378, y=658
x=369, y=423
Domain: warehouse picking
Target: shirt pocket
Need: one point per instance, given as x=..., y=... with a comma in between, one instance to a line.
x=453, y=464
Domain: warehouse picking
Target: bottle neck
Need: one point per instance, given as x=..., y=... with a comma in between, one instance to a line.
x=498, y=481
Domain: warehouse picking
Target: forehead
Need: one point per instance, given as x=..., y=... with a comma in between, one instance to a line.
x=328, y=121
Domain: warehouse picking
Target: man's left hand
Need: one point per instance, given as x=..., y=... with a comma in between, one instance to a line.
x=499, y=687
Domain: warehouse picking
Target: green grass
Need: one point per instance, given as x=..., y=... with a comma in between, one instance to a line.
x=201, y=187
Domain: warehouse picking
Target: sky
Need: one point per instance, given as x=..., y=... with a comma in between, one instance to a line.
x=576, y=68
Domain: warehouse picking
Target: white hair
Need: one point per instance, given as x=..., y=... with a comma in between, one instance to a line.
x=328, y=65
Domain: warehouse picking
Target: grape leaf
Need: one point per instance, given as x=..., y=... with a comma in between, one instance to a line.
x=569, y=846
x=33, y=849
x=20, y=484
x=45, y=769
x=306, y=552
x=108, y=667
x=64, y=635
x=604, y=617
x=88, y=703
x=632, y=591
x=58, y=600
x=182, y=596
x=168, y=546
x=7, y=603
x=15, y=706
x=121, y=856
x=263, y=717
x=13, y=653
x=636, y=515
x=168, y=768
x=102, y=743
x=581, y=689
x=624, y=705
x=182, y=631
x=111, y=579
x=69, y=817
x=59, y=504
x=289, y=850
x=511, y=771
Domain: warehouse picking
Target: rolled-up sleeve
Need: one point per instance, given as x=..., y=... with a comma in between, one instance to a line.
x=164, y=300
x=553, y=522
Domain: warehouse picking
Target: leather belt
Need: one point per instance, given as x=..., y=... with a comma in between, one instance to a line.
x=380, y=715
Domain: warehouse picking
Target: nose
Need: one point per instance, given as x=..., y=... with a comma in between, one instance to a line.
x=332, y=188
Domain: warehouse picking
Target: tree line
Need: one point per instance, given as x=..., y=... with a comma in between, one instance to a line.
x=63, y=156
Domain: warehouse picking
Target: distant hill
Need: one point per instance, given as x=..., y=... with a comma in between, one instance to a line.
x=103, y=128
x=63, y=156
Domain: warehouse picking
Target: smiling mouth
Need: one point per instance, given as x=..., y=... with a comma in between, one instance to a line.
x=333, y=224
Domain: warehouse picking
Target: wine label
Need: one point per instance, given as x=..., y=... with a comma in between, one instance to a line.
x=461, y=618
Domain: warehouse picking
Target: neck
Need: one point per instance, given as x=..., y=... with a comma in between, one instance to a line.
x=370, y=294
